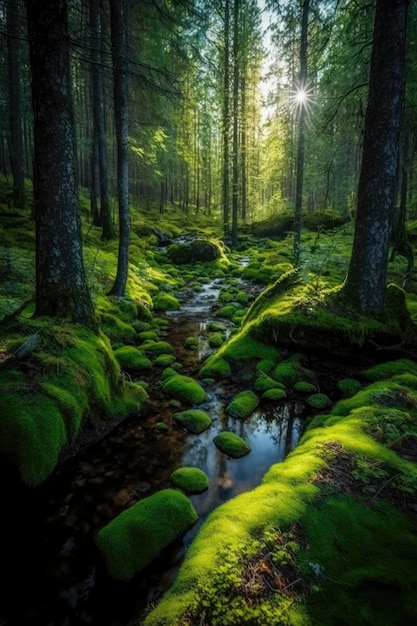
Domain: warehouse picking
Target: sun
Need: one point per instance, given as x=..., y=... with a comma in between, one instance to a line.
x=302, y=97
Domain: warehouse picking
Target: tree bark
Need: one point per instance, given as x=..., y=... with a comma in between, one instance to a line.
x=61, y=287
x=119, y=23
x=17, y=158
x=377, y=190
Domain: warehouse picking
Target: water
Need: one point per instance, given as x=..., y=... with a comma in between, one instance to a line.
x=53, y=566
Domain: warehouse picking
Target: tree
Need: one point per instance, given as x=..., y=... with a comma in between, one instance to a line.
x=99, y=150
x=61, y=288
x=15, y=108
x=377, y=190
x=119, y=21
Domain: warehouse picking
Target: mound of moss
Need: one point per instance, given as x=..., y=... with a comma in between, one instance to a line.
x=184, y=389
x=70, y=383
x=190, y=480
x=131, y=359
x=139, y=534
x=274, y=394
x=243, y=404
x=231, y=444
x=165, y=302
x=197, y=250
x=193, y=420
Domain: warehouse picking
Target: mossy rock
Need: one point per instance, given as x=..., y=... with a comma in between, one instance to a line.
x=190, y=480
x=215, y=340
x=216, y=368
x=290, y=372
x=263, y=383
x=185, y=389
x=348, y=387
x=216, y=327
x=274, y=394
x=161, y=427
x=115, y=328
x=193, y=420
x=243, y=404
x=191, y=343
x=148, y=335
x=319, y=401
x=158, y=347
x=168, y=372
x=164, y=360
x=389, y=369
x=231, y=444
x=131, y=359
x=165, y=302
x=302, y=386
x=197, y=250
x=227, y=311
x=137, y=536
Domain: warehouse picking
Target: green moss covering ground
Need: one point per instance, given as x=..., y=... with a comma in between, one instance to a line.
x=327, y=538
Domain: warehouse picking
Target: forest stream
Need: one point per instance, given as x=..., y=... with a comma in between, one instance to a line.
x=56, y=576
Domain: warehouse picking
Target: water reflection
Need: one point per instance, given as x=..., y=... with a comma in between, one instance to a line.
x=271, y=432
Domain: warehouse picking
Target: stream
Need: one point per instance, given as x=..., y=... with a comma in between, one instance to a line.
x=54, y=574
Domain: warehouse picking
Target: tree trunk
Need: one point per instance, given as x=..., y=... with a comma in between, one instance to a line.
x=377, y=190
x=119, y=23
x=17, y=158
x=99, y=127
x=302, y=80
x=226, y=119
x=235, y=187
x=61, y=288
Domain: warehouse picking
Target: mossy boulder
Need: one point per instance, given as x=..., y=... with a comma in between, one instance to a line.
x=274, y=395
x=348, y=387
x=138, y=535
x=185, y=389
x=319, y=401
x=193, y=420
x=165, y=302
x=215, y=340
x=164, y=360
x=302, y=386
x=131, y=359
x=197, y=250
x=157, y=347
x=263, y=383
x=190, y=480
x=73, y=384
x=231, y=444
x=243, y=404
x=191, y=343
x=215, y=368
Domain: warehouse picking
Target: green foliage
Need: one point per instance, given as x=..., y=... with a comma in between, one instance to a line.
x=190, y=480
x=348, y=387
x=231, y=444
x=193, y=420
x=243, y=404
x=139, y=534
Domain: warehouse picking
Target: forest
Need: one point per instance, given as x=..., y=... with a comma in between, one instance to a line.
x=208, y=312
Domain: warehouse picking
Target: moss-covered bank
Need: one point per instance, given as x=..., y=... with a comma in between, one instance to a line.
x=328, y=537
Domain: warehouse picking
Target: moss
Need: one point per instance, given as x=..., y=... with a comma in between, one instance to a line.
x=157, y=347
x=190, y=480
x=231, y=444
x=227, y=311
x=302, y=386
x=115, y=328
x=274, y=395
x=165, y=302
x=243, y=404
x=216, y=368
x=185, y=389
x=348, y=387
x=319, y=401
x=383, y=393
x=131, y=359
x=139, y=534
x=193, y=420
x=215, y=340
x=263, y=383
x=390, y=368
x=164, y=360
x=191, y=343
x=148, y=335
x=288, y=372
x=168, y=372
x=161, y=427
x=216, y=327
